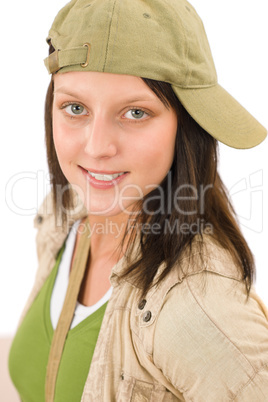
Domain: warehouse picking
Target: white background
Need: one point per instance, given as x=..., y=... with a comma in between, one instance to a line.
x=238, y=34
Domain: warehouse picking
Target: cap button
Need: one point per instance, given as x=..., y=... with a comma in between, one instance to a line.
x=141, y=304
x=147, y=316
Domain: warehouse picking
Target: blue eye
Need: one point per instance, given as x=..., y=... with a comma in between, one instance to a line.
x=75, y=109
x=135, y=114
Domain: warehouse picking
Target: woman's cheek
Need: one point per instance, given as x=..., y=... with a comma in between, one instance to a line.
x=66, y=140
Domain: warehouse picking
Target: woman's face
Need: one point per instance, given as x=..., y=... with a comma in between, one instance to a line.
x=114, y=138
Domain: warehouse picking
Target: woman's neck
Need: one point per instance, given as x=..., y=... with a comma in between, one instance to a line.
x=106, y=236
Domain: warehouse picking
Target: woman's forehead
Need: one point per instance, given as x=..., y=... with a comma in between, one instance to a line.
x=86, y=83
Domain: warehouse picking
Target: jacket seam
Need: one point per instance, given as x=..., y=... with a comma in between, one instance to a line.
x=212, y=257
x=219, y=329
x=150, y=357
x=231, y=276
x=212, y=271
x=250, y=381
x=181, y=390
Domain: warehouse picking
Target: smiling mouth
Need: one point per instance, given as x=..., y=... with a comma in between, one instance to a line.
x=105, y=176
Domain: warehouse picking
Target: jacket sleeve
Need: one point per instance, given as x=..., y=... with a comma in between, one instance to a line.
x=211, y=343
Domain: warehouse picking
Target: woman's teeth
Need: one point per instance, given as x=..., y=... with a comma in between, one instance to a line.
x=105, y=177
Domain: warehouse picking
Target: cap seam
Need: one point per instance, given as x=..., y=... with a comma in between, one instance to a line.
x=116, y=32
x=188, y=74
x=102, y=50
x=195, y=86
x=108, y=39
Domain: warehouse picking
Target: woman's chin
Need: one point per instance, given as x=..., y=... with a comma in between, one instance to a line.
x=106, y=210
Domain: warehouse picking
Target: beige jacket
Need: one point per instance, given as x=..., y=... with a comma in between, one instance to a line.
x=195, y=338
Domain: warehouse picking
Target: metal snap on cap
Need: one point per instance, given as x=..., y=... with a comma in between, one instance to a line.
x=142, y=304
x=88, y=52
x=147, y=316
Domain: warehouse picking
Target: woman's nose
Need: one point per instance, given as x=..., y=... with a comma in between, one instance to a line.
x=100, y=139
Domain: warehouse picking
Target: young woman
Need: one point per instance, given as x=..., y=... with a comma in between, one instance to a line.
x=144, y=290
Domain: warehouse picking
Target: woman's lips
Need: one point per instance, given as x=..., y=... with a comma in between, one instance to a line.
x=103, y=179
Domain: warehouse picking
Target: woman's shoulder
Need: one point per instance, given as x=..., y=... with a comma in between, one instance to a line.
x=206, y=254
x=213, y=336
x=208, y=281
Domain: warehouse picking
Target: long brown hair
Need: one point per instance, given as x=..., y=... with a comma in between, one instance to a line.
x=193, y=173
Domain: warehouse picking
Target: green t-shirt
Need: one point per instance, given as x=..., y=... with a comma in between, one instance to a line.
x=29, y=352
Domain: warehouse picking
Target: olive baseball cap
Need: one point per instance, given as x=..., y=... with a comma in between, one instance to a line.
x=158, y=39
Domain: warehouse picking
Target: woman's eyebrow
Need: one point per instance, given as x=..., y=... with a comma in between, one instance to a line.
x=140, y=98
x=66, y=91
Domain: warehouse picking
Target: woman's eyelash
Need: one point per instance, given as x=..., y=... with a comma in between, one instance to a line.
x=137, y=116
x=78, y=109
x=64, y=105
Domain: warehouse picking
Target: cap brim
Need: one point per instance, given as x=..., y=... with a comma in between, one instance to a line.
x=217, y=112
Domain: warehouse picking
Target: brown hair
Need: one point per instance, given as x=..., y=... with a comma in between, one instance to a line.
x=194, y=167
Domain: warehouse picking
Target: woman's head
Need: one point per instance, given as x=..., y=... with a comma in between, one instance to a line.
x=159, y=40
